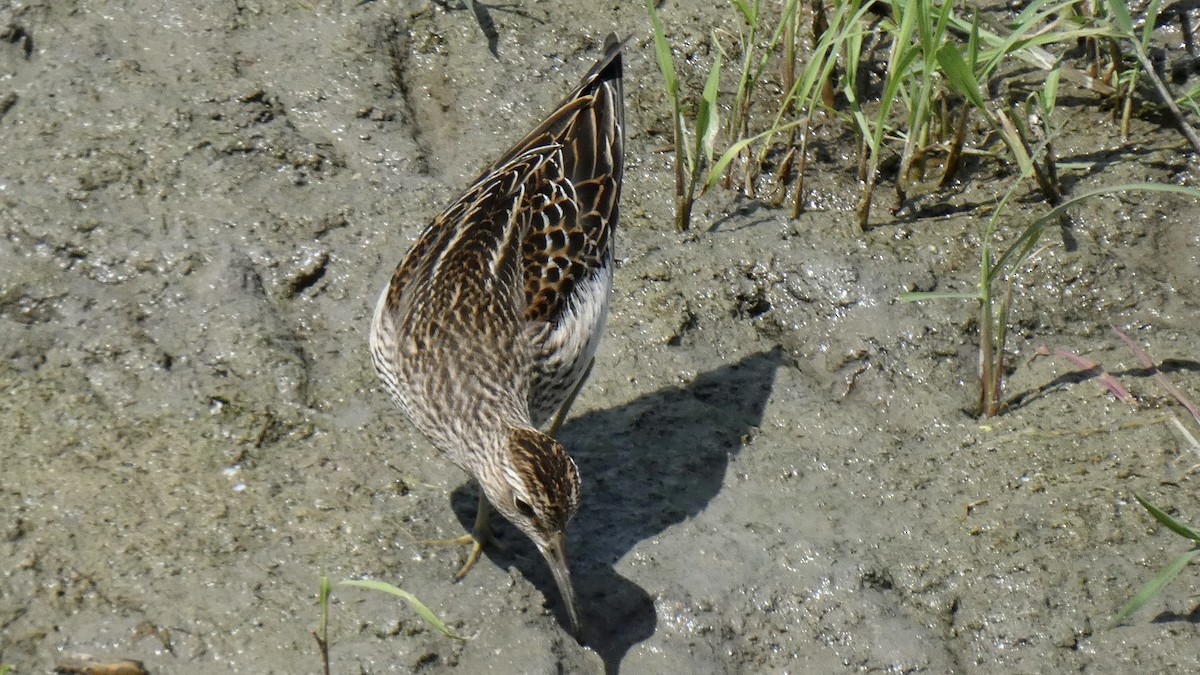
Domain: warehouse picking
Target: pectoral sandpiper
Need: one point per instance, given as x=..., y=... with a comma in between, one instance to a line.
x=489, y=325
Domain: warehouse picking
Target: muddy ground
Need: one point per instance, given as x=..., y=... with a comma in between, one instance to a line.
x=200, y=201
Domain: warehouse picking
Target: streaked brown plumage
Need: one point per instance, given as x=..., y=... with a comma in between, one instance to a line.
x=490, y=323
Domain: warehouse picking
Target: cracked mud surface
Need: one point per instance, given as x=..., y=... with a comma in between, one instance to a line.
x=199, y=207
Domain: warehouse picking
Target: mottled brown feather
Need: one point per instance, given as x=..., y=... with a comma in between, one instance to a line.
x=547, y=466
x=460, y=242
x=488, y=326
x=566, y=214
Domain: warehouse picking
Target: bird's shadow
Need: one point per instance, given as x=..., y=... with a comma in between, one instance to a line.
x=645, y=466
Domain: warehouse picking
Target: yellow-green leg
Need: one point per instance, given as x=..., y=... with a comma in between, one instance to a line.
x=478, y=537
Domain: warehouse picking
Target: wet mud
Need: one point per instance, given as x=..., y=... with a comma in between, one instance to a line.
x=781, y=473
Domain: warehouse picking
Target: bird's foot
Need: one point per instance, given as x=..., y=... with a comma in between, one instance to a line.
x=480, y=536
x=476, y=540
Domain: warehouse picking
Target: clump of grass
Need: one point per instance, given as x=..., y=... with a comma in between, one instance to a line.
x=1030, y=149
x=917, y=30
x=997, y=274
x=967, y=75
x=940, y=68
x=753, y=63
x=837, y=38
x=321, y=634
x=695, y=165
x=688, y=155
x=1166, y=574
x=1140, y=44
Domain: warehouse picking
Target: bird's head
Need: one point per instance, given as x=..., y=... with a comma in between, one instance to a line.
x=537, y=489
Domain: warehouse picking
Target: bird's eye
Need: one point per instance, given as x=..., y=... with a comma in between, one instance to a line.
x=523, y=507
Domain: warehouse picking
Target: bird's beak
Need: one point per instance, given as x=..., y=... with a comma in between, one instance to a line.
x=555, y=553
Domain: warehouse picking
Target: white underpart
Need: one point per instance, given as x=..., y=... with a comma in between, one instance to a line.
x=381, y=346
x=570, y=346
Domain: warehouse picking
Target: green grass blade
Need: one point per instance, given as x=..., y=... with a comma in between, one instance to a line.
x=1050, y=91
x=419, y=607
x=1149, y=19
x=1020, y=43
x=789, y=11
x=1174, y=525
x=973, y=42
x=939, y=34
x=864, y=125
x=904, y=55
x=1190, y=99
x=921, y=296
x=1032, y=233
x=1120, y=15
x=1013, y=140
x=1035, y=12
x=923, y=22
x=1155, y=585
x=852, y=47
x=960, y=75
x=1061, y=37
x=323, y=599
x=708, y=115
x=749, y=12
x=732, y=151
x=662, y=52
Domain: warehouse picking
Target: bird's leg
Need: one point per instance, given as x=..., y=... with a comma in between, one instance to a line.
x=561, y=415
x=478, y=537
